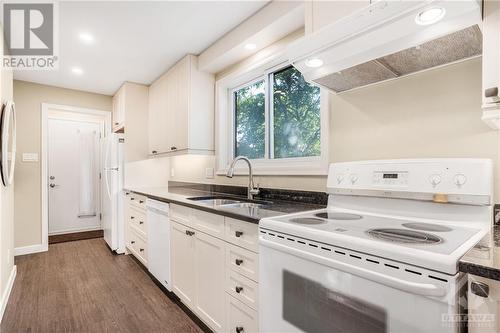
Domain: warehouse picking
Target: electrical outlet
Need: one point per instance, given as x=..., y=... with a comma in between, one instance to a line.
x=209, y=173
x=496, y=213
x=172, y=172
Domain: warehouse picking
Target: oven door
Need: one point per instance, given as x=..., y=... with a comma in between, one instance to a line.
x=300, y=294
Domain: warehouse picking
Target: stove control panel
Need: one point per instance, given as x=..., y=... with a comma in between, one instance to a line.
x=390, y=178
x=452, y=179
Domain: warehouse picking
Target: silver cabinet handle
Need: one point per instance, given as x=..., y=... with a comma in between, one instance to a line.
x=480, y=289
x=491, y=92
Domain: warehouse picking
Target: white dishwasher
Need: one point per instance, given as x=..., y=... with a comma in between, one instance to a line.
x=159, y=241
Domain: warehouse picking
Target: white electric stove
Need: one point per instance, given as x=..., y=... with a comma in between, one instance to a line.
x=383, y=256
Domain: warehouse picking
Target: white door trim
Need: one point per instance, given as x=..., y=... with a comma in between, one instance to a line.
x=6, y=294
x=44, y=186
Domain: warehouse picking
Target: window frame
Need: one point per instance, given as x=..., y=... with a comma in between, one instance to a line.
x=225, y=125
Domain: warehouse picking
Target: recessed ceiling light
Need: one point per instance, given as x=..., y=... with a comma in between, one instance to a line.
x=77, y=70
x=314, y=62
x=86, y=37
x=430, y=15
x=250, y=46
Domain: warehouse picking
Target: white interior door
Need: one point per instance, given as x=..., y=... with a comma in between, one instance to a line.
x=73, y=171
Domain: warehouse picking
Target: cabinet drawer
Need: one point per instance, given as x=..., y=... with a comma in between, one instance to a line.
x=242, y=233
x=137, y=219
x=242, y=261
x=138, y=201
x=180, y=214
x=209, y=223
x=242, y=288
x=239, y=317
x=138, y=247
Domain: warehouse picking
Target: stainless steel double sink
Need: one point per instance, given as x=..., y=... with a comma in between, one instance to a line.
x=229, y=202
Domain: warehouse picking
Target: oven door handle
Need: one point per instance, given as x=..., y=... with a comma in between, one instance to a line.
x=424, y=289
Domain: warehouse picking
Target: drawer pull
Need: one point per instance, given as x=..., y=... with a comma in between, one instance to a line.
x=142, y=250
x=238, y=233
x=141, y=222
x=132, y=217
x=132, y=242
x=238, y=262
x=126, y=193
x=189, y=233
x=132, y=198
x=238, y=289
x=480, y=289
x=239, y=329
x=141, y=201
x=173, y=148
x=154, y=152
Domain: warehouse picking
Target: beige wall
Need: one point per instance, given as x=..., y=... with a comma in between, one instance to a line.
x=431, y=114
x=28, y=98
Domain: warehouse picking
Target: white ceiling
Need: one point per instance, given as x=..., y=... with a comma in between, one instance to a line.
x=134, y=41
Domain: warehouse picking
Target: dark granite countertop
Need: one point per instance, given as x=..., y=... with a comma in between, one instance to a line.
x=484, y=259
x=179, y=195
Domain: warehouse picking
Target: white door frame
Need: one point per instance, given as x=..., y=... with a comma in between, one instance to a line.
x=44, y=158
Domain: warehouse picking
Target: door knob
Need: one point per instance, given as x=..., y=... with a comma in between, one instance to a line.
x=52, y=185
x=52, y=177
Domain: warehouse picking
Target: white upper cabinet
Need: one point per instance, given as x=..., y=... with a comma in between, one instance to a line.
x=119, y=110
x=130, y=116
x=491, y=55
x=181, y=110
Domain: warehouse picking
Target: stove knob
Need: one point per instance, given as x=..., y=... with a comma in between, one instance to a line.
x=459, y=179
x=435, y=180
x=340, y=178
x=354, y=179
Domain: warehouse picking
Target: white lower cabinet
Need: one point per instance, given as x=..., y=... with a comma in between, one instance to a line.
x=215, y=272
x=209, y=261
x=239, y=317
x=182, y=261
x=483, y=305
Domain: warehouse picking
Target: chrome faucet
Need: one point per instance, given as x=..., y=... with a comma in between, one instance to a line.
x=252, y=190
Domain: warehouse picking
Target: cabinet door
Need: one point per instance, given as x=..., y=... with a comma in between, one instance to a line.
x=158, y=117
x=171, y=125
x=209, y=261
x=182, y=82
x=183, y=265
x=118, y=113
x=491, y=52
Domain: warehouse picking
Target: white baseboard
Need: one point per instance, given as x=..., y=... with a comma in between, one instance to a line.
x=19, y=251
x=6, y=293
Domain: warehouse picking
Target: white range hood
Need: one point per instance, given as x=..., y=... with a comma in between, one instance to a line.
x=384, y=41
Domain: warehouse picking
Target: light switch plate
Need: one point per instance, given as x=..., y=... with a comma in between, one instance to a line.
x=30, y=157
x=209, y=173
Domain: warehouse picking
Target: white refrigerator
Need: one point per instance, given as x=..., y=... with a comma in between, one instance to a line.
x=111, y=192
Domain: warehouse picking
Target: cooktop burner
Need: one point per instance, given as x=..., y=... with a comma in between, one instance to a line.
x=427, y=227
x=404, y=236
x=339, y=216
x=307, y=220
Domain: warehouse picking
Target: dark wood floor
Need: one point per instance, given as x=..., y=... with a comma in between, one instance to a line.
x=81, y=287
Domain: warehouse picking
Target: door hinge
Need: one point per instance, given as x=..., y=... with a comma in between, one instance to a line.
x=100, y=216
x=100, y=177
